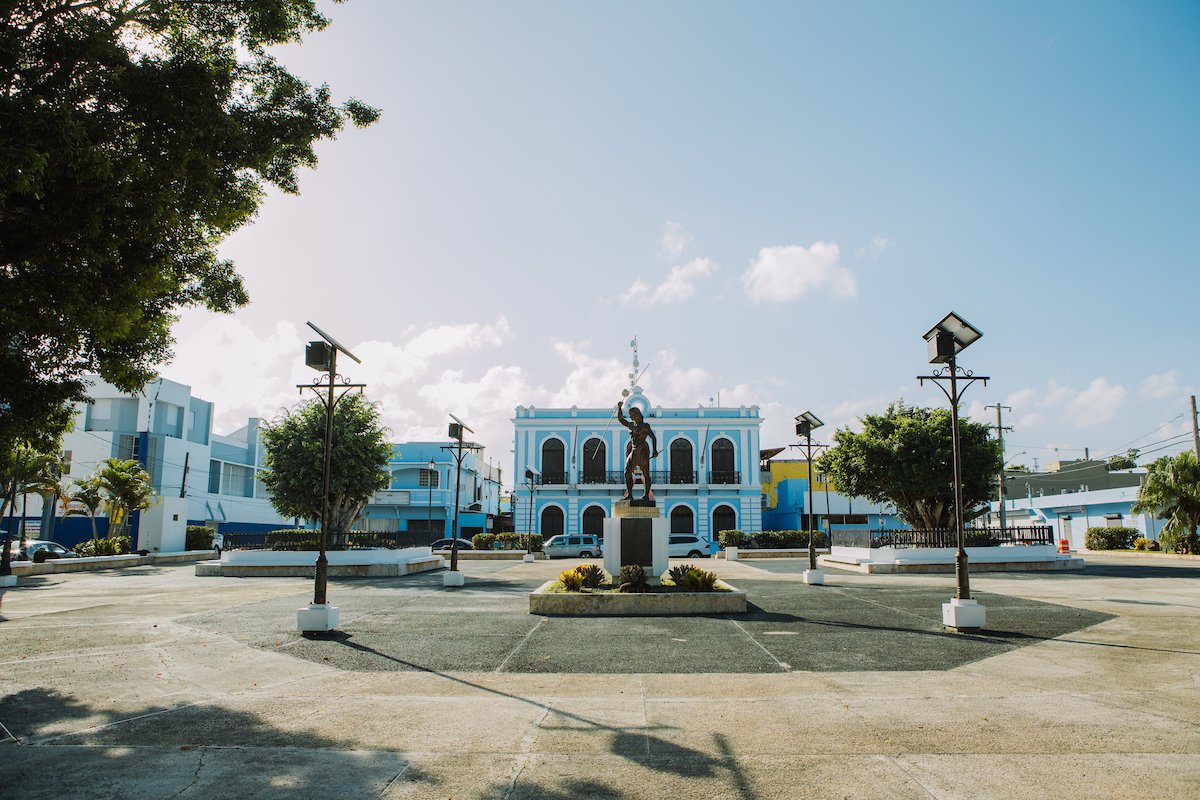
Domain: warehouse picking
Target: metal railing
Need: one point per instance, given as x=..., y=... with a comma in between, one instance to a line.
x=311, y=540
x=724, y=476
x=551, y=478
x=616, y=477
x=944, y=537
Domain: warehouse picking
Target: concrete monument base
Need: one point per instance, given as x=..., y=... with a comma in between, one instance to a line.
x=315, y=618
x=963, y=615
x=637, y=533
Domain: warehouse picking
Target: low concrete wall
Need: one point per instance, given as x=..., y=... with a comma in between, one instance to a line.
x=489, y=555
x=427, y=563
x=1058, y=564
x=59, y=565
x=578, y=604
x=308, y=558
x=791, y=552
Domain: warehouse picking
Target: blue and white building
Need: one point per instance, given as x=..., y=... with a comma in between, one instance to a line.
x=705, y=478
x=420, y=497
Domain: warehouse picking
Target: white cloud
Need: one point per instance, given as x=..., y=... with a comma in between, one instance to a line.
x=679, y=285
x=1096, y=404
x=675, y=240
x=780, y=274
x=1160, y=386
x=876, y=247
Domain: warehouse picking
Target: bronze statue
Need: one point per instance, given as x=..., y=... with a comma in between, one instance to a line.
x=637, y=454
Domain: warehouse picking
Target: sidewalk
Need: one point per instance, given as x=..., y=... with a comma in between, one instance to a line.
x=154, y=683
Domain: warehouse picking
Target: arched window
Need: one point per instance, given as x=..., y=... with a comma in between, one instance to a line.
x=682, y=520
x=554, y=462
x=595, y=461
x=552, y=522
x=723, y=519
x=681, y=462
x=721, y=465
x=593, y=521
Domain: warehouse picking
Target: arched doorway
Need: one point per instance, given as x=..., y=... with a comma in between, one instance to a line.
x=724, y=518
x=552, y=522
x=721, y=465
x=593, y=521
x=682, y=520
x=554, y=462
x=682, y=470
x=595, y=461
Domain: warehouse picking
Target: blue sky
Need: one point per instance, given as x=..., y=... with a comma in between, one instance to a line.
x=778, y=199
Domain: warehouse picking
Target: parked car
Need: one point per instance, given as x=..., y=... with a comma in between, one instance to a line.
x=34, y=547
x=446, y=544
x=573, y=547
x=688, y=546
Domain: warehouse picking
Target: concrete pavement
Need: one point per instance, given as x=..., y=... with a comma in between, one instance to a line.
x=152, y=683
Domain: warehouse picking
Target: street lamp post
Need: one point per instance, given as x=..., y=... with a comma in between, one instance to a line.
x=530, y=475
x=945, y=340
x=806, y=423
x=320, y=616
x=454, y=577
x=429, y=510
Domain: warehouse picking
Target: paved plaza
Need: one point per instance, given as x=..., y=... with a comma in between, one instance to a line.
x=153, y=683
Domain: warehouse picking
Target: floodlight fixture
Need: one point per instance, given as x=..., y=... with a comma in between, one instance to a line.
x=950, y=336
x=806, y=423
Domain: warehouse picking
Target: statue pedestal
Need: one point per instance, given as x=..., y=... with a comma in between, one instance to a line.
x=636, y=533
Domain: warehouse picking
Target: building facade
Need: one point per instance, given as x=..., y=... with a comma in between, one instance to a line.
x=785, y=501
x=569, y=467
x=421, y=495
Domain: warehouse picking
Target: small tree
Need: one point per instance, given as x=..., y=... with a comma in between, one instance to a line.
x=86, y=493
x=126, y=488
x=904, y=456
x=1127, y=461
x=294, y=446
x=1172, y=492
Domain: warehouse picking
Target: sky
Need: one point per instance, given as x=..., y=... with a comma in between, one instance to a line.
x=777, y=199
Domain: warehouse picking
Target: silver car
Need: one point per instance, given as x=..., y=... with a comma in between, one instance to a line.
x=572, y=547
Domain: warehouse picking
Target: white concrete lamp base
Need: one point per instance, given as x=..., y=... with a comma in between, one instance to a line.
x=814, y=577
x=963, y=615
x=452, y=578
x=528, y=558
x=8, y=580
x=731, y=554
x=315, y=618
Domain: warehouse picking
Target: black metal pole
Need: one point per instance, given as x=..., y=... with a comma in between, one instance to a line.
x=960, y=559
x=6, y=556
x=322, y=573
x=457, y=486
x=429, y=512
x=812, y=550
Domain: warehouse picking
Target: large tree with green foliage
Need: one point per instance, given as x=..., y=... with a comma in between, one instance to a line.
x=1172, y=492
x=134, y=136
x=294, y=446
x=904, y=456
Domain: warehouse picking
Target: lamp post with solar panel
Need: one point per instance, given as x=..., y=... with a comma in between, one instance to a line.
x=806, y=423
x=945, y=341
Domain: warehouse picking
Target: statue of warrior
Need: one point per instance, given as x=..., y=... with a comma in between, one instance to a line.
x=638, y=453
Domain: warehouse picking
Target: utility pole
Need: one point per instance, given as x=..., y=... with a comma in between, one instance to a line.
x=1000, y=429
x=1195, y=430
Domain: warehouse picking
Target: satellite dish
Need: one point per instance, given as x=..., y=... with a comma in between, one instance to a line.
x=624, y=393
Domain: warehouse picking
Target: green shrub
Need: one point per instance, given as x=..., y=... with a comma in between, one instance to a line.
x=526, y=541
x=1179, y=543
x=116, y=546
x=784, y=540
x=633, y=578
x=591, y=575
x=42, y=556
x=199, y=537
x=1110, y=538
x=733, y=538
x=1142, y=543
x=296, y=539
x=483, y=541
x=690, y=578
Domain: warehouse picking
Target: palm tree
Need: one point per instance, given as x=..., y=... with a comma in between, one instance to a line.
x=126, y=488
x=87, y=494
x=1172, y=492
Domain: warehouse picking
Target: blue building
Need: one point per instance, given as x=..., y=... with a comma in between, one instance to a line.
x=420, y=497
x=705, y=478
x=785, y=500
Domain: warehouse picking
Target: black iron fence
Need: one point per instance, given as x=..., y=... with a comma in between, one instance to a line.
x=311, y=540
x=943, y=537
x=724, y=476
x=616, y=477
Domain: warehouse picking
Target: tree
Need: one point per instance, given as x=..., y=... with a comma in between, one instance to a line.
x=26, y=470
x=294, y=447
x=126, y=488
x=1126, y=461
x=86, y=493
x=136, y=135
x=1172, y=492
x=904, y=456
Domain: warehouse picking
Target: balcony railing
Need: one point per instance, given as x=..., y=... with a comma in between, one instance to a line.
x=944, y=537
x=551, y=478
x=724, y=476
x=616, y=477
